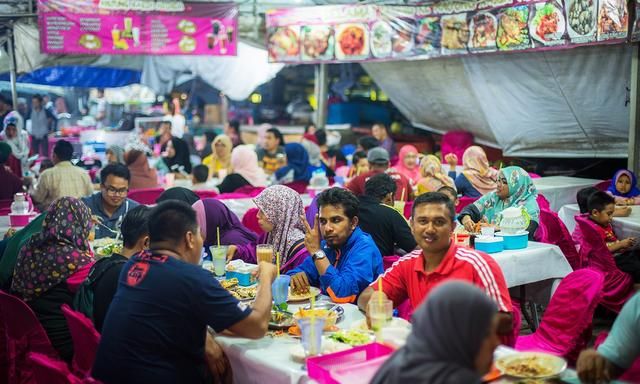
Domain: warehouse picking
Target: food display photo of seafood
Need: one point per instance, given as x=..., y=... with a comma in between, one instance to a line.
x=317, y=42
x=581, y=20
x=428, y=36
x=513, y=31
x=547, y=26
x=455, y=33
x=283, y=43
x=483, y=28
x=613, y=19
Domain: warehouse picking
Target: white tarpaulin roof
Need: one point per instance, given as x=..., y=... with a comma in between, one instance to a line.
x=571, y=103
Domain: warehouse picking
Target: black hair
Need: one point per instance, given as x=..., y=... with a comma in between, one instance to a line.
x=180, y=215
x=178, y=193
x=383, y=125
x=599, y=200
x=368, y=142
x=63, y=150
x=201, y=173
x=118, y=170
x=4, y=155
x=210, y=135
x=37, y=97
x=435, y=198
x=321, y=136
x=582, y=197
x=449, y=189
x=379, y=186
x=276, y=132
x=135, y=225
x=306, y=128
x=339, y=196
x=165, y=122
x=235, y=124
x=357, y=156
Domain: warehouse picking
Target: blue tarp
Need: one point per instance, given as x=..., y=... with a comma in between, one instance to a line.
x=79, y=76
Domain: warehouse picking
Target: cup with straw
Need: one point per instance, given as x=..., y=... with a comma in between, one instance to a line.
x=280, y=286
x=219, y=256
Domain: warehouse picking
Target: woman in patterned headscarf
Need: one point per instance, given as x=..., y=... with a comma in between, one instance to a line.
x=52, y=264
x=514, y=189
x=433, y=176
x=477, y=177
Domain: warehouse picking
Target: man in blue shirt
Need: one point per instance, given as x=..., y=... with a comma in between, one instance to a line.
x=110, y=205
x=347, y=260
x=156, y=326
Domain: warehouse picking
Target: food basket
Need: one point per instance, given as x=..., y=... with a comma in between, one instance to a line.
x=519, y=240
x=353, y=366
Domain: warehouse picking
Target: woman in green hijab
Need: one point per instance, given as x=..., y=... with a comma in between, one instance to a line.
x=12, y=247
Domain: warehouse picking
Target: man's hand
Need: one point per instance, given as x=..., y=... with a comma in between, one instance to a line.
x=300, y=282
x=311, y=236
x=627, y=243
x=593, y=368
x=231, y=252
x=217, y=361
x=266, y=272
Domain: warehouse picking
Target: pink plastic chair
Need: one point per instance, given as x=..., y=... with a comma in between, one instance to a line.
x=206, y=194
x=5, y=207
x=85, y=341
x=618, y=286
x=21, y=333
x=47, y=370
x=534, y=175
x=456, y=142
x=250, y=220
x=145, y=196
x=553, y=231
x=603, y=185
x=408, y=207
x=250, y=190
x=543, y=203
x=566, y=325
x=232, y=195
x=298, y=186
x=463, y=202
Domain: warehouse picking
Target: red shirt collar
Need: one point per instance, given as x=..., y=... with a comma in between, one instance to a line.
x=445, y=266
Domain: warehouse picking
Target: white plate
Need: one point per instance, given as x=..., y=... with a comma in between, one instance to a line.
x=553, y=364
x=550, y=37
x=396, y=322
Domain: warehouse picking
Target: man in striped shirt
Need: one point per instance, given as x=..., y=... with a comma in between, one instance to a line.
x=438, y=259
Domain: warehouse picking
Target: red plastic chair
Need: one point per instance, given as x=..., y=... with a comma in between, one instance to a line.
x=206, y=194
x=298, y=186
x=456, y=142
x=21, y=333
x=603, y=185
x=566, y=325
x=250, y=220
x=618, y=285
x=85, y=341
x=48, y=370
x=534, y=175
x=232, y=195
x=250, y=190
x=551, y=230
x=145, y=196
x=463, y=202
x=543, y=203
x=408, y=207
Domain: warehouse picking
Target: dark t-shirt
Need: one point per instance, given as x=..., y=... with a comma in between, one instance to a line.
x=105, y=288
x=386, y=226
x=155, y=327
x=232, y=182
x=11, y=184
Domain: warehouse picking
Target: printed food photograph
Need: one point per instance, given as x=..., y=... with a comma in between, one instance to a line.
x=187, y=44
x=317, y=42
x=613, y=17
x=90, y=41
x=381, y=33
x=548, y=23
x=402, y=39
x=582, y=16
x=483, y=28
x=512, y=28
x=428, y=35
x=455, y=32
x=187, y=26
x=283, y=43
x=352, y=41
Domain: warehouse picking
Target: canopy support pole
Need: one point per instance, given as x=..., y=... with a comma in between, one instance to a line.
x=321, y=94
x=633, y=160
x=12, y=67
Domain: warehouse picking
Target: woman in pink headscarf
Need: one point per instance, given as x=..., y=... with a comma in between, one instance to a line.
x=246, y=171
x=408, y=164
x=477, y=177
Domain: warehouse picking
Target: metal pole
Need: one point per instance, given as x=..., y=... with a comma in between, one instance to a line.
x=321, y=93
x=12, y=67
x=633, y=160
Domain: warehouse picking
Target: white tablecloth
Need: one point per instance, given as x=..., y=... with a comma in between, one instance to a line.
x=623, y=227
x=561, y=190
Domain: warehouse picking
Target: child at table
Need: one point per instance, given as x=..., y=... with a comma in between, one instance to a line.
x=601, y=206
x=583, y=196
x=623, y=188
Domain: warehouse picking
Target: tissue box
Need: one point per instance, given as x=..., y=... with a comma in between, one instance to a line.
x=489, y=244
x=241, y=271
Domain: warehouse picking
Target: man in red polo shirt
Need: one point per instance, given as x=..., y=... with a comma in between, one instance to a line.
x=378, y=159
x=438, y=259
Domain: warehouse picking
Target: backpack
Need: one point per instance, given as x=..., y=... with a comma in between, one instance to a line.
x=83, y=300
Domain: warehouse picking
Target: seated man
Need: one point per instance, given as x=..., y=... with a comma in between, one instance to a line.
x=618, y=352
x=64, y=179
x=156, y=325
x=438, y=259
x=347, y=260
x=110, y=205
x=376, y=216
x=103, y=278
x=379, y=163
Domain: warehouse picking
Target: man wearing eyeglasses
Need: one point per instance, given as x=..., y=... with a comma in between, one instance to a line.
x=110, y=205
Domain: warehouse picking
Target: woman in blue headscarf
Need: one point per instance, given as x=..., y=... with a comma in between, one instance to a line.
x=624, y=188
x=297, y=167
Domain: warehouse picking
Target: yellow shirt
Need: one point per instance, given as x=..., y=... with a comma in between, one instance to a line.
x=214, y=165
x=65, y=179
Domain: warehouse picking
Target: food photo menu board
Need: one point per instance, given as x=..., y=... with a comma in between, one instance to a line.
x=367, y=32
x=136, y=27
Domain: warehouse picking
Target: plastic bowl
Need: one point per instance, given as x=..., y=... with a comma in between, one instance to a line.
x=515, y=241
x=331, y=317
x=490, y=244
x=20, y=220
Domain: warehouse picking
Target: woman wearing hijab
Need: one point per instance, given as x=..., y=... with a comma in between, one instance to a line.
x=13, y=246
x=297, y=167
x=452, y=339
x=213, y=215
x=178, y=193
x=115, y=155
x=52, y=264
x=407, y=164
x=477, y=177
x=18, y=140
x=514, y=189
x=624, y=188
x=433, y=176
x=280, y=209
x=142, y=175
x=220, y=157
x=176, y=158
x=246, y=171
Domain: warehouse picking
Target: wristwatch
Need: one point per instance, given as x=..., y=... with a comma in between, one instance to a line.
x=318, y=255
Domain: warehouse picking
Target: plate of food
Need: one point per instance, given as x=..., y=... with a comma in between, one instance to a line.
x=482, y=28
x=613, y=18
x=402, y=38
x=428, y=35
x=352, y=337
x=352, y=41
x=187, y=26
x=329, y=306
x=381, y=39
x=531, y=365
x=283, y=43
x=90, y=41
x=280, y=320
x=396, y=322
x=106, y=247
x=455, y=32
x=547, y=25
x=317, y=42
x=581, y=16
x=513, y=31
x=295, y=296
x=240, y=293
x=187, y=44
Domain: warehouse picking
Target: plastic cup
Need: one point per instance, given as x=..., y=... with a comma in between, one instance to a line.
x=264, y=252
x=219, y=257
x=280, y=289
x=380, y=312
x=311, y=332
x=169, y=179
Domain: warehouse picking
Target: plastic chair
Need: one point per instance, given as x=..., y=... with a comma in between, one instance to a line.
x=408, y=207
x=618, y=285
x=250, y=190
x=552, y=230
x=455, y=142
x=463, y=202
x=250, y=220
x=48, y=370
x=232, y=195
x=145, y=196
x=206, y=194
x=534, y=175
x=566, y=325
x=603, y=185
x=21, y=333
x=543, y=203
x=298, y=186
x=5, y=207
x=85, y=341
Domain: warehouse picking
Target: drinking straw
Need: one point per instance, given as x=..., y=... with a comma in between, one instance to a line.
x=278, y=263
x=380, y=291
x=218, y=233
x=402, y=195
x=312, y=323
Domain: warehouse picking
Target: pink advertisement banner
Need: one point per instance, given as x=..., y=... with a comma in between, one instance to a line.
x=137, y=27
